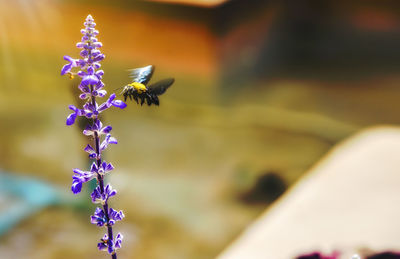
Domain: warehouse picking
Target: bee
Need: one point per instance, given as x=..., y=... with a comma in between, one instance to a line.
x=139, y=89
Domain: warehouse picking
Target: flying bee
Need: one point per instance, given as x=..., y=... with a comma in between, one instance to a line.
x=139, y=89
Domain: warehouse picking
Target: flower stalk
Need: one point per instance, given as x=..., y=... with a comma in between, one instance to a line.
x=91, y=86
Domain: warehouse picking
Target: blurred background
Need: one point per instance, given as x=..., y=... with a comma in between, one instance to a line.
x=263, y=90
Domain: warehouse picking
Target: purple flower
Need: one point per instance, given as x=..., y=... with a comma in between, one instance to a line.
x=99, y=57
x=108, y=140
x=99, y=197
x=115, y=216
x=111, y=102
x=105, y=168
x=76, y=186
x=92, y=153
x=90, y=80
x=79, y=178
x=91, y=87
x=106, y=244
x=99, y=93
x=98, y=128
x=118, y=241
x=110, y=246
x=67, y=68
x=102, y=245
x=98, y=218
x=94, y=168
x=72, y=117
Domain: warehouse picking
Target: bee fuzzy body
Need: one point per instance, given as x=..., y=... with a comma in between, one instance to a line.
x=138, y=89
x=144, y=96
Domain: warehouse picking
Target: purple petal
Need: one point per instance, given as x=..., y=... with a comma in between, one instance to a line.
x=71, y=119
x=89, y=18
x=76, y=186
x=89, y=106
x=112, y=193
x=112, y=140
x=88, y=132
x=96, y=195
x=110, y=248
x=69, y=59
x=78, y=171
x=101, y=246
x=98, y=218
x=106, y=130
x=97, y=125
x=88, y=115
x=109, y=167
x=94, y=168
x=111, y=98
x=97, y=65
x=65, y=69
x=116, y=215
x=99, y=73
x=104, y=106
x=89, y=149
x=90, y=80
x=90, y=70
x=118, y=103
x=118, y=241
x=97, y=221
x=99, y=57
x=80, y=45
x=102, y=93
x=84, y=53
x=81, y=73
x=73, y=108
x=97, y=44
x=95, y=52
x=81, y=62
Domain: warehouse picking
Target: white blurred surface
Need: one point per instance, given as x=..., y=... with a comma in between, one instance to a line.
x=349, y=201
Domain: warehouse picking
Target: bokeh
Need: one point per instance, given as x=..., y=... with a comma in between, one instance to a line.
x=263, y=89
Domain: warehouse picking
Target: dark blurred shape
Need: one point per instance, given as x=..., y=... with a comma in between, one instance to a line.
x=318, y=255
x=267, y=188
x=385, y=255
x=335, y=255
x=332, y=36
x=311, y=39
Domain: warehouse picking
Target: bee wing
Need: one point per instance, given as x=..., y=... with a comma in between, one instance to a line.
x=141, y=75
x=160, y=87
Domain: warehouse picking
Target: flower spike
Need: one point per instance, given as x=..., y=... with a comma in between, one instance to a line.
x=91, y=86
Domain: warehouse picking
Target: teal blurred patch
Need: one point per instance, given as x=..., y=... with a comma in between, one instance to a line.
x=21, y=197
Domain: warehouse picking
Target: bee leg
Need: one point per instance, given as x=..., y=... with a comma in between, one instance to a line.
x=142, y=99
x=148, y=99
x=136, y=98
x=125, y=97
x=155, y=100
x=130, y=97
